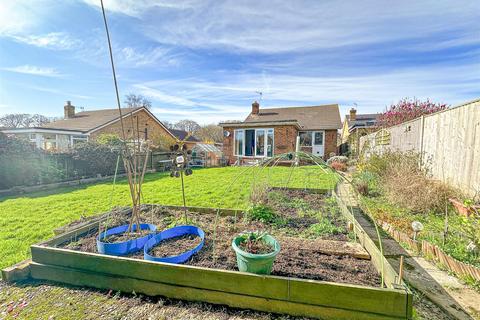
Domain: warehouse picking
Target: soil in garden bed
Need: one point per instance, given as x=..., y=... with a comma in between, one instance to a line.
x=122, y=237
x=298, y=257
x=175, y=246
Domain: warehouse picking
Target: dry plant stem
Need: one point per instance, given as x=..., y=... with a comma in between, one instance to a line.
x=183, y=197
x=127, y=162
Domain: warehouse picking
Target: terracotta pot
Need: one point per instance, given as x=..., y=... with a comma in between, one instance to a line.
x=463, y=209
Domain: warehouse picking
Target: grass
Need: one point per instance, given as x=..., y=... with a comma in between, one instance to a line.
x=31, y=218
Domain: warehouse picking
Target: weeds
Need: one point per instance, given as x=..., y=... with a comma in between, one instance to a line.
x=323, y=227
x=262, y=213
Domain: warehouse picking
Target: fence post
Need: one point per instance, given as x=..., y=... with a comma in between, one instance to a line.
x=422, y=128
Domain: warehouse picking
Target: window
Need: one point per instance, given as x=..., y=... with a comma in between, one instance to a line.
x=260, y=142
x=254, y=142
x=79, y=139
x=318, y=138
x=239, y=138
x=269, y=142
x=49, y=141
x=305, y=138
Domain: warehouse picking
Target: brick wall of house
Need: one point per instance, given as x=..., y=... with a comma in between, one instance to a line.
x=285, y=139
x=330, y=142
x=155, y=132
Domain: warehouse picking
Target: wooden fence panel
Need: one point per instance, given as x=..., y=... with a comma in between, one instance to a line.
x=449, y=142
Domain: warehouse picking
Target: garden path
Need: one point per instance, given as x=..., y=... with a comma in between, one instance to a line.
x=455, y=298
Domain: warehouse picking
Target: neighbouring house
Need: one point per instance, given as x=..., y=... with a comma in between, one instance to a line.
x=356, y=126
x=185, y=137
x=273, y=131
x=61, y=135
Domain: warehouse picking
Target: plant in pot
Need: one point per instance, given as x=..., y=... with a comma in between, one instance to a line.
x=255, y=252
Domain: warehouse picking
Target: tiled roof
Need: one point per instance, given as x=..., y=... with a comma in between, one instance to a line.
x=88, y=120
x=363, y=120
x=309, y=118
x=180, y=134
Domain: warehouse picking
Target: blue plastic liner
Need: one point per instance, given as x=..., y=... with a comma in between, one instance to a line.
x=126, y=247
x=172, y=233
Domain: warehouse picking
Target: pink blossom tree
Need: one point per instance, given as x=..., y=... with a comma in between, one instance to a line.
x=408, y=109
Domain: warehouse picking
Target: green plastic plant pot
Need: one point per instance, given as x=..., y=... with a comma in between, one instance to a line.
x=256, y=263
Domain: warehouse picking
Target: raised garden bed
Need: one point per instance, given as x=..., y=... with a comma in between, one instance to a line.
x=298, y=284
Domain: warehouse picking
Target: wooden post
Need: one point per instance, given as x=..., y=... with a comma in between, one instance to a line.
x=400, y=271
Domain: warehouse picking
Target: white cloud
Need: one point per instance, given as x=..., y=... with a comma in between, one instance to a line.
x=230, y=96
x=67, y=95
x=53, y=40
x=34, y=70
x=138, y=58
x=283, y=26
x=136, y=8
x=163, y=97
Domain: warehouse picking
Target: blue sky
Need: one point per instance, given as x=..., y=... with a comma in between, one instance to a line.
x=205, y=60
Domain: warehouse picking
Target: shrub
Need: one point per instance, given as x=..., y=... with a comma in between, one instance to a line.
x=339, y=166
x=405, y=183
x=96, y=158
x=366, y=183
x=407, y=109
x=22, y=164
x=341, y=159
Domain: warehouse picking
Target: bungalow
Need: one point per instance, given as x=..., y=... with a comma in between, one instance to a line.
x=63, y=134
x=268, y=132
x=355, y=126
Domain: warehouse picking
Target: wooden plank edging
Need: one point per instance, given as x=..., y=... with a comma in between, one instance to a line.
x=431, y=251
x=126, y=284
x=391, y=302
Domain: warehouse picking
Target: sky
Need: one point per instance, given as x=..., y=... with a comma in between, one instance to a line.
x=207, y=60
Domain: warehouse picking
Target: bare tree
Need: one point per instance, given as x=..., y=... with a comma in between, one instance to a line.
x=168, y=124
x=23, y=120
x=137, y=100
x=210, y=133
x=187, y=125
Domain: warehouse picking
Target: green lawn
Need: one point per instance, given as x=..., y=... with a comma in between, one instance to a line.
x=30, y=218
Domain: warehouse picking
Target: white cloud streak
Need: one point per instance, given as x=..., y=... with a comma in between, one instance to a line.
x=34, y=70
x=230, y=97
x=53, y=40
x=292, y=26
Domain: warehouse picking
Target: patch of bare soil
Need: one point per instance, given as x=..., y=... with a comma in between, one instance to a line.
x=175, y=246
x=297, y=258
x=122, y=237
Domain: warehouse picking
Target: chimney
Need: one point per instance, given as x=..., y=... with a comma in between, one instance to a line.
x=255, y=107
x=68, y=110
x=353, y=114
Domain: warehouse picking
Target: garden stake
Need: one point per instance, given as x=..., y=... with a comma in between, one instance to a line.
x=400, y=271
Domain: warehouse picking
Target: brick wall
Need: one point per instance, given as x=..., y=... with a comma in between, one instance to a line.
x=330, y=142
x=285, y=139
x=155, y=132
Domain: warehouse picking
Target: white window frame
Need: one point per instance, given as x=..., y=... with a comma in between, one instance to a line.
x=77, y=137
x=312, y=138
x=265, y=150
